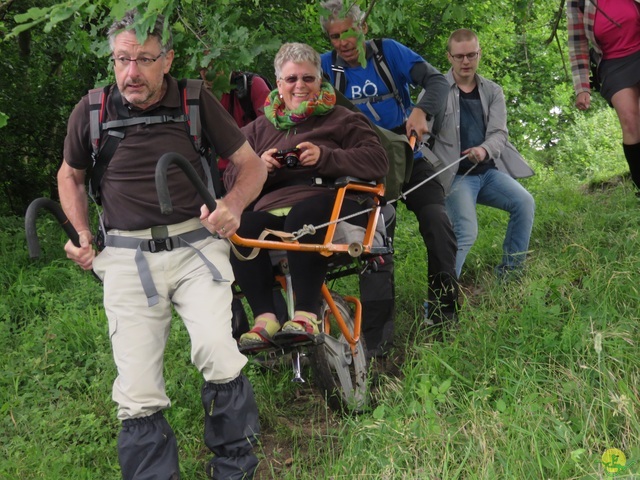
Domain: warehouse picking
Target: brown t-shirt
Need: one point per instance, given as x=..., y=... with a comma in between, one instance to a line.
x=128, y=186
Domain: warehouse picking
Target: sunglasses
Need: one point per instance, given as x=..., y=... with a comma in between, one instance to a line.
x=291, y=79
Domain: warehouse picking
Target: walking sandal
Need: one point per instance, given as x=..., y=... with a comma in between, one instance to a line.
x=261, y=334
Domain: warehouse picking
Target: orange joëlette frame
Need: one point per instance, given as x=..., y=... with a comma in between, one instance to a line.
x=328, y=248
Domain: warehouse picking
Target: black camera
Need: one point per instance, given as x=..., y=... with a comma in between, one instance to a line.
x=290, y=158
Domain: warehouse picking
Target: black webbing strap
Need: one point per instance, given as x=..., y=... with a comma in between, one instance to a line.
x=382, y=69
x=113, y=131
x=127, y=122
x=339, y=80
x=104, y=149
x=190, y=97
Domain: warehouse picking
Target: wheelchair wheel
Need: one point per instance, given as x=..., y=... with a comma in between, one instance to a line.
x=341, y=374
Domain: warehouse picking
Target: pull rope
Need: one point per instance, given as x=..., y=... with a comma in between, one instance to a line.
x=312, y=229
x=403, y=195
x=462, y=177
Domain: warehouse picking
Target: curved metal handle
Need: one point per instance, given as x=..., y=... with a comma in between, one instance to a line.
x=30, y=224
x=164, y=197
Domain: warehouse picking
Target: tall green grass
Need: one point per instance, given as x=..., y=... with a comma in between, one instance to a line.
x=538, y=380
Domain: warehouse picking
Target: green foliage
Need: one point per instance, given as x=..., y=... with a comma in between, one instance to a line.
x=225, y=43
x=4, y=118
x=54, y=52
x=539, y=369
x=40, y=85
x=589, y=148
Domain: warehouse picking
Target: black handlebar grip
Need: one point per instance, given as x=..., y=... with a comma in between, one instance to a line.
x=163, y=189
x=30, y=224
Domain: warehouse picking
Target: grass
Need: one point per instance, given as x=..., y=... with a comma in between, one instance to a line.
x=540, y=378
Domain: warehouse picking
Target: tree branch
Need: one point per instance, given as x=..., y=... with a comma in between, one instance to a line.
x=4, y=7
x=368, y=12
x=190, y=28
x=564, y=64
x=556, y=23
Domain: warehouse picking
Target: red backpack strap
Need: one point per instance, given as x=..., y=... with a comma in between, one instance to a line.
x=97, y=102
x=190, y=95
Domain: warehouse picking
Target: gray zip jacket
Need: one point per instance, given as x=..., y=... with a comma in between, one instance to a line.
x=496, y=143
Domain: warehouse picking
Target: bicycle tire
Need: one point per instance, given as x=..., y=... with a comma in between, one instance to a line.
x=340, y=374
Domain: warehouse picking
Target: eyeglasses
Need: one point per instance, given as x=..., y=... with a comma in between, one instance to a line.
x=351, y=33
x=124, y=62
x=458, y=57
x=291, y=79
x=339, y=36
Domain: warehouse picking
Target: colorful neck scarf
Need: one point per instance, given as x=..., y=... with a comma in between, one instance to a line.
x=283, y=118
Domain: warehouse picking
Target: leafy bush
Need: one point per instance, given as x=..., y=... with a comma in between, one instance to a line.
x=590, y=148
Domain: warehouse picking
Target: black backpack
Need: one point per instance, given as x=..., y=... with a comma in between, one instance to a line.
x=106, y=136
x=242, y=82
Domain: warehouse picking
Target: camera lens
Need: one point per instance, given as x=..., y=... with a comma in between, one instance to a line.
x=291, y=160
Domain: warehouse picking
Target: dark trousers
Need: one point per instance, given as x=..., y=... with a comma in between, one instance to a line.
x=427, y=204
x=377, y=288
x=308, y=269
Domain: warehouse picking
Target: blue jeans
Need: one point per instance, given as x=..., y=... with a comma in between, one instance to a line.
x=494, y=189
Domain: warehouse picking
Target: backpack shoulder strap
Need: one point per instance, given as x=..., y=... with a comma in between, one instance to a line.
x=382, y=68
x=101, y=152
x=339, y=80
x=190, y=99
x=97, y=98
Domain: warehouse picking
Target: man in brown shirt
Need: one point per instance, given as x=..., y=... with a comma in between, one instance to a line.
x=143, y=277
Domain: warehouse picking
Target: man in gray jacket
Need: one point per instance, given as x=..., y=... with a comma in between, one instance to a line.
x=475, y=124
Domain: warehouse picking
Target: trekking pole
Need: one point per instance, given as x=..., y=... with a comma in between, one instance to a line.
x=30, y=224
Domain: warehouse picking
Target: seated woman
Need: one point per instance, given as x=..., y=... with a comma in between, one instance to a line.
x=331, y=142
